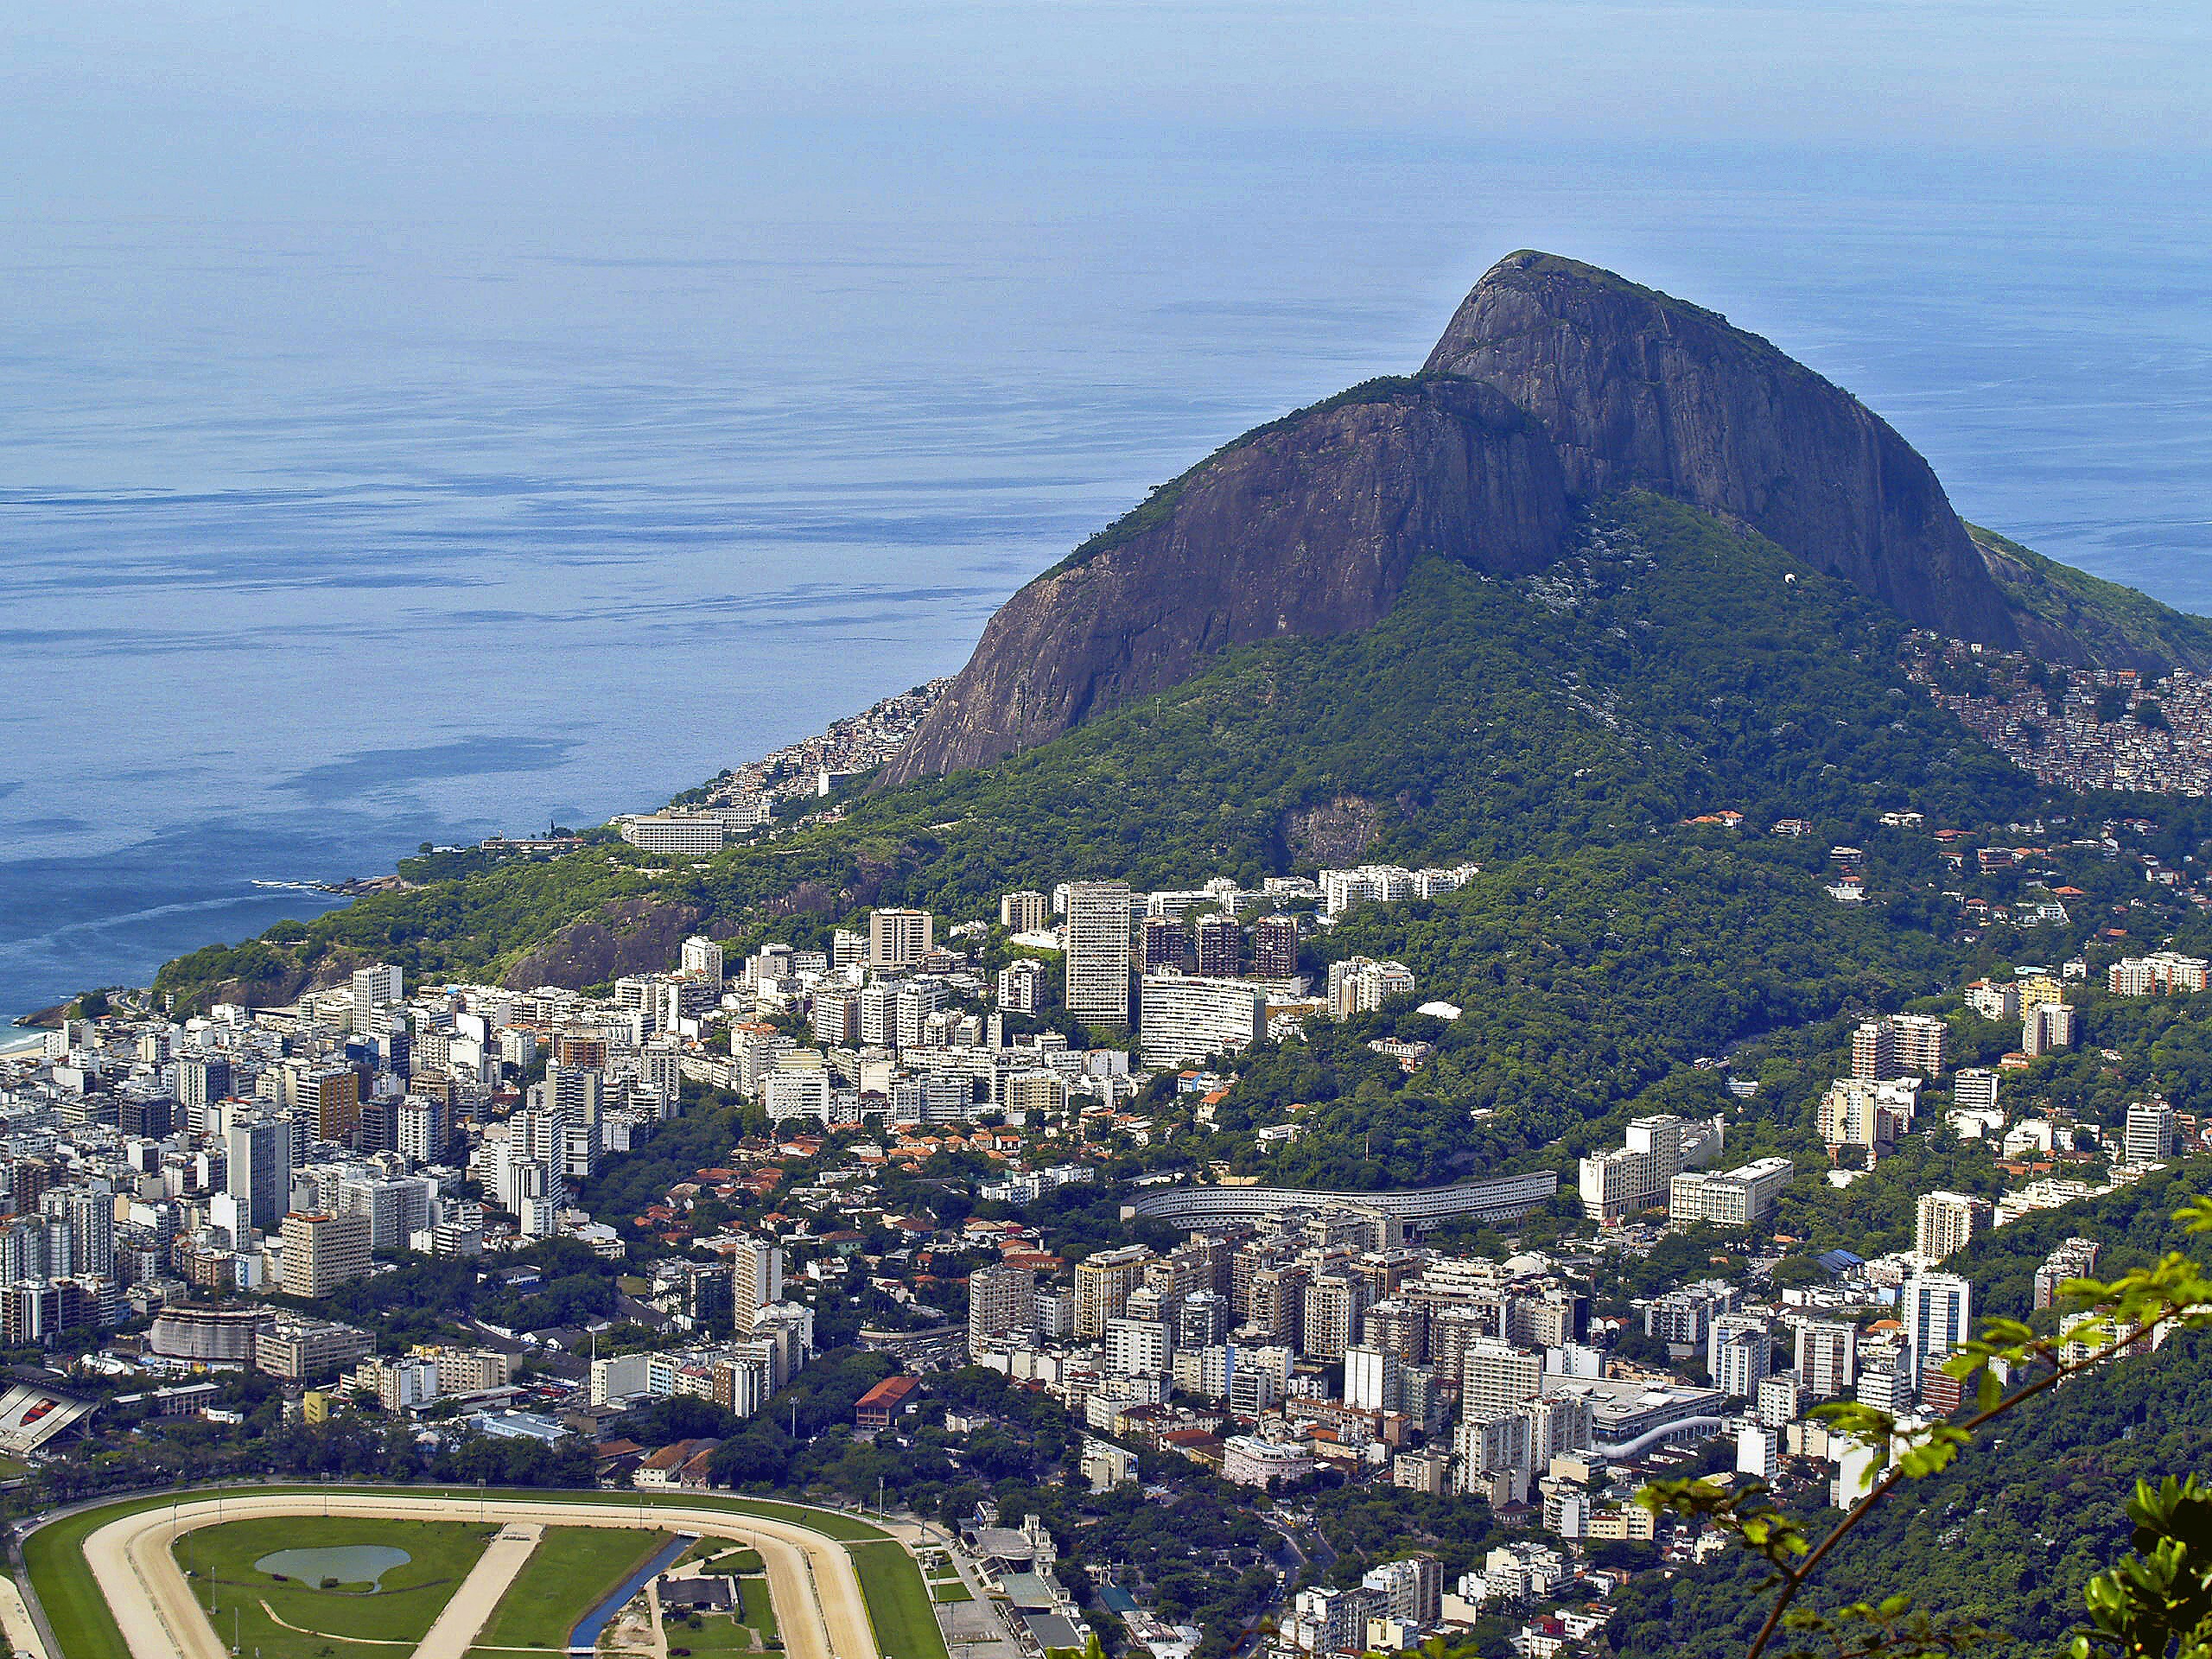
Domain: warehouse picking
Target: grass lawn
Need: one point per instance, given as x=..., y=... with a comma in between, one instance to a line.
x=717, y=1633
x=951, y=1590
x=732, y=1561
x=571, y=1568
x=754, y=1608
x=898, y=1605
x=259, y=1606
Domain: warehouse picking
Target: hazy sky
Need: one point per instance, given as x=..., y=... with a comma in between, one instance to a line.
x=2054, y=74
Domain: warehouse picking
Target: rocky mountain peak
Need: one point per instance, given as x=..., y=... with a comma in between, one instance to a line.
x=1636, y=388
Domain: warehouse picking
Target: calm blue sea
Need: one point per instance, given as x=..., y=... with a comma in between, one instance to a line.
x=362, y=487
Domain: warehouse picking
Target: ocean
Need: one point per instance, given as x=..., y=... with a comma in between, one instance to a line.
x=361, y=487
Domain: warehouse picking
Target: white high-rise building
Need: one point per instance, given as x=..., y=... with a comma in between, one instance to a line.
x=380, y=986
x=1361, y=985
x=2049, y=1027
x=1097, y=949
x=2150, y=1132
x=1740, y=1353
x=1938, y=1311
x=1974, y=1090
x=1019, y=984
x=702, y=958
x=258, y=1168
x=757, y=1279
x=1025, y=912
x=1945, y=1222
x=1371, y=1379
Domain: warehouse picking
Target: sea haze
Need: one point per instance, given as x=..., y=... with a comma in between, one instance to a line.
x=362, y=488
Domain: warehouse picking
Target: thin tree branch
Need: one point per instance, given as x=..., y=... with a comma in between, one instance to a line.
x=1794, y=1578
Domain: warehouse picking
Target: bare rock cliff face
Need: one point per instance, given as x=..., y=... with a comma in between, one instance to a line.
x=1556, y=382
x=1636, y=388
x=1307, y=527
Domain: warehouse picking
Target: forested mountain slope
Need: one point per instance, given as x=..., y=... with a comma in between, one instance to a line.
x=1671, y=665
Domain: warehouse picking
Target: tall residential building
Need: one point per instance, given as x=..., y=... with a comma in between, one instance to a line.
x=1000, y=1304
x=1739, y=1354
x=1162, y=943
x=836, y=1016
x=1898, y=1045
x=1863, y=1116
x=1360, y=985
x=2150, y=1132
x=702, y=958
x=1021, y=985
x=90, y=1217
x=756, y=1279
x=331, y=1096
x=1219, y=943
x=322, y=1252
x=1274, y=948
x=1333, y=1303
x=1938, y=1311
x=899, y=939
x=1495, y=1376
x=1024, y=912
x=2048, y=1026
x=1371, y=1379
x=1182, y=1020
x=258, y=1168
x=576, y=1092
x=1827, y=1356
x=202, y=1080
x=1975, y=1088
x=1636, y=1175
x=2075, y=1259
x=846, y=949
x=1097, y=949
x=424, y=1129
x=1946, y=1222
x=1103, y=1284
x=380, y=986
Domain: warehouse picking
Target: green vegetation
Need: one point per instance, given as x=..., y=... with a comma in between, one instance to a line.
x=565, y=1579
x=951, y=1590
x=759, y=1610
x=2074, y=600
x=898, y=1607
x=262, y=1609
x=1667, y=669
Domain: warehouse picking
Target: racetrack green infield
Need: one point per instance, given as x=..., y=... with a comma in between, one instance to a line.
x=257, y=1611
x=568, y=1573
x=898, y=1605
x=53, y=1555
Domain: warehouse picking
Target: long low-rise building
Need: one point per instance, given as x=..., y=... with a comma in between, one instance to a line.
x=1500, y=1199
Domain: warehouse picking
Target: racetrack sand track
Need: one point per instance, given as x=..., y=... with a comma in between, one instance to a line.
x=811, y=1579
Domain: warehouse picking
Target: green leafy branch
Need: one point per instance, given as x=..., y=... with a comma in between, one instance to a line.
x=2166, y=1588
